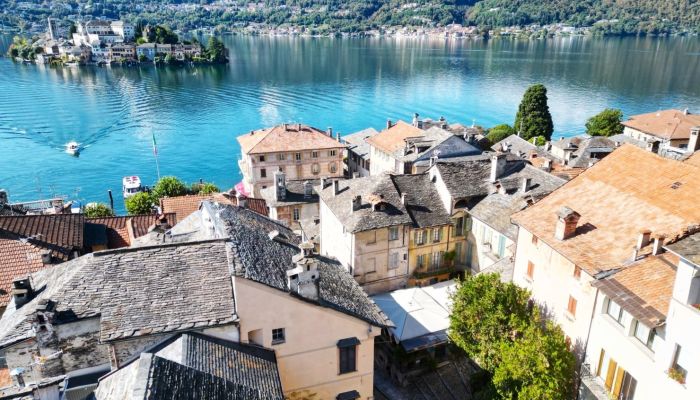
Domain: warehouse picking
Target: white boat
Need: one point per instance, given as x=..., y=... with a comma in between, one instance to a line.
x=131, y=185
x=73, y=148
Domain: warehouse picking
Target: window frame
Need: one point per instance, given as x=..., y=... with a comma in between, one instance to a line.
x=261, y=158
x=332, y=153
x=530, y=272
x=621, y=313
x=393, y=233
x=347, y=359
x=279, y=336
x=314, y=154
x=281, y=156
x=263, y=172
x=332, y=167
x=571, y=306
x=297, y=157
x=296, y=214
x=650, y=336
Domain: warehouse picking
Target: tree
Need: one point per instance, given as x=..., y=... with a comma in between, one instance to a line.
x=533, y=118
x=606, y=123
x=216, y=51
x=486, y=313
x=73, y=29
x=140, y=203
x=538, y=366
x=499, y=132
x=169, y=186
x=205, y=188
x=95, y=210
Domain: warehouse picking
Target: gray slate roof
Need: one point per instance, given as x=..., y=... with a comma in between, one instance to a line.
x=365, y=218
x=135, y=291
x=585, y=149
x=264, y=260
x=422, y=200
x=294, y=195
x=357, y=142
x=688, y=248
x=515, y=144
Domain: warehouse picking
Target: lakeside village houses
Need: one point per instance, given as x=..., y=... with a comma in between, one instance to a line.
x=103, y=42
x=328, y=270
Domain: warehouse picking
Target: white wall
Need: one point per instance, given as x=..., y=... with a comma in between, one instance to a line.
x=335, y=242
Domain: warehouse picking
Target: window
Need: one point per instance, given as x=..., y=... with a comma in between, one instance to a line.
x=676, y=365
x=394, y=233
x=393, y=260
x=501, y=246
x=371, y=265
x=530, y=269
x=295, y=213
x=281, y=156
x=347, y=355
x=437, y=235
x=421, y=260
x=534, y=240
x=333, y=167
x=436, y=260
x=459, y=227
x=263, y=173
x=419, y=237
x=614, y=310
x=278, y=335
x=577, y=272
x=332, y=153
x=261, y=158
x=571, y=308
x=644, y=334
x=315, y=168
x=297, y=156
x=314, y=154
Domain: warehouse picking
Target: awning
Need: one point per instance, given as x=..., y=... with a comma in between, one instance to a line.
x=348, y=342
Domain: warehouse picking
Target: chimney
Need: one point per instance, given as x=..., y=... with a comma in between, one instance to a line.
x=304, y=276
x=416, y=121
x=499, y=187
x=685, y=111
x=658, y=245
x=337, y=136
x=356, y=203
x=240, y=200
x=280, y=185
x=635, y=253
x=329, y=131
x=567, y=219
x=299, y=127
x=644, y=238
x=547, y=165
x=336, y=188
x=388, y=124
x=308, y=189
x=22, y=291
x=46, y=257
x=403, y=198
x=526, y=184
x=323, y=183
x=693, y=143
x=498, y=165
x=17, y=378
x=433, y=160
x=286, y=127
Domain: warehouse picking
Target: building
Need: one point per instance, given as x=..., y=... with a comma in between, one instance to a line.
x=602, y=221
x=122, y=51
x=184, y=206
x=291, y=201
x=113, y=307
x=404, y=148
x=670, y=133
x=301, y=152
x=125, y=230
x=53, y=30
x=364, y=224
x=358, y=160
x=147, y=50
x=123, y=29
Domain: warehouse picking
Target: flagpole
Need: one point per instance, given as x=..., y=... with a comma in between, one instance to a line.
x=155, y=154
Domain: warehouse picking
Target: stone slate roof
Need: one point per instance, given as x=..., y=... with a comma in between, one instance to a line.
x=422, y=200
x=496, y=209
x=60, y=232
x=357, y=142
x=363, y=219
x=470, y=178
x=688, y=248
x=264, y=260
x=584, y=147
x=135, y=292
x=449, y=148
x=11, y=209
x=517, y=145
x=295, y=194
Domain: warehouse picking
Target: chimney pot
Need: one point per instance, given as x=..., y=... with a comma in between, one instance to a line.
x=240, y=200
x=658, y=245
x=644, y=238
x=403, y=198
x=330, y=131
x=635, y=253
x=567, y=220
x=388, y=124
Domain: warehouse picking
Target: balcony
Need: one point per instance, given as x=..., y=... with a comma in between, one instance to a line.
x=423, y=272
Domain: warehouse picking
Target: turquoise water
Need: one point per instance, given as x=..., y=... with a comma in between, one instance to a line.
x=348, y=84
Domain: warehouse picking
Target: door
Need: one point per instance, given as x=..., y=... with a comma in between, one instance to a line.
x=629, y=384
x=612, y=366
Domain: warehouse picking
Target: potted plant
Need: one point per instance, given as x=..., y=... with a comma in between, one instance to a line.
x=676, y=374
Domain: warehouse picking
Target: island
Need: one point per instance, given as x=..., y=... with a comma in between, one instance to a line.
x=105, y=42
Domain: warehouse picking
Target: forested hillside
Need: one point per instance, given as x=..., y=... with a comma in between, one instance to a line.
x=611, y=16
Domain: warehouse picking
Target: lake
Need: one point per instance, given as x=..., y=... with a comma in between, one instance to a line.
x=348, y=84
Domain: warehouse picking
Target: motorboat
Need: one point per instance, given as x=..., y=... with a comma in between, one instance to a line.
x=131, y=185
x=73, y=148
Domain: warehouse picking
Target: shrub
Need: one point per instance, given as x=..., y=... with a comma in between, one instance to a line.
x=95, y=210
x=140, y=203
x=169, y=186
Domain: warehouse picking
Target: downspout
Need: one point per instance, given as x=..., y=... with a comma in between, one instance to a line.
x=585, y=347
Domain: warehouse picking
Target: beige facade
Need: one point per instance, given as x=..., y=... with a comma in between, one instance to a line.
x=308, y=357
x=435, y=253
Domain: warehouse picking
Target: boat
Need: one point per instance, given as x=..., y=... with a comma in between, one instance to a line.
x=131, y=185
x=73, y=148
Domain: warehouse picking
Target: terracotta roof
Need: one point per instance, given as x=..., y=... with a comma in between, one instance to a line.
x=393, y=139
x=118, y=227
x=667, y=124
x=694, y=159
x=182, y=206
x=63, y=232
x=628, y=191
x=644, y=288
x=17, y=259
x=285, y=138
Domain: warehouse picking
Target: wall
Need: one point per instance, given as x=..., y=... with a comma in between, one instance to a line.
x=335, y=241
x=126, y=349
x=486, y=246
x=552, y=283
x=380, y=162
x=80, y=344
x=308, y=359
x=427, y=249
x=285, y=214
x=373, y=248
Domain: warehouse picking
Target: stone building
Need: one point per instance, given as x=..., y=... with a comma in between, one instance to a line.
x=290, y=202
x=670, y=133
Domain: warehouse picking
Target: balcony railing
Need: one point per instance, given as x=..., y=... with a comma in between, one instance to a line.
x=427, y=272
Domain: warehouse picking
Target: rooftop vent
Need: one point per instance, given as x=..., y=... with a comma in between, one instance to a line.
x=356, y=203
x=46, y=257
x=644, y=238
x=567, y=219
x=376, y=201
x=22, y=291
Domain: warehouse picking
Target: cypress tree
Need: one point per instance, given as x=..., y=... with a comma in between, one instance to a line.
x=533, y=118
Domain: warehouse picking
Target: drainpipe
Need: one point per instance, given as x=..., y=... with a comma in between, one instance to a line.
x=585, y=347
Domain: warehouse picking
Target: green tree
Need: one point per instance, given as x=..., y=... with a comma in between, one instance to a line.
x=73, y=29
x=533, y=118
x=95, y=210
x=216, y=51
x=140, y=40
x=538, y=366
x=169, y=186
x=499, y=132
x=205, y=188
x=606, y=123
x=485, y=314
x=140, y=203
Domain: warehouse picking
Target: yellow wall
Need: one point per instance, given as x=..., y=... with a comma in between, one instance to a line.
x=447, y=243
x=308, y=360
